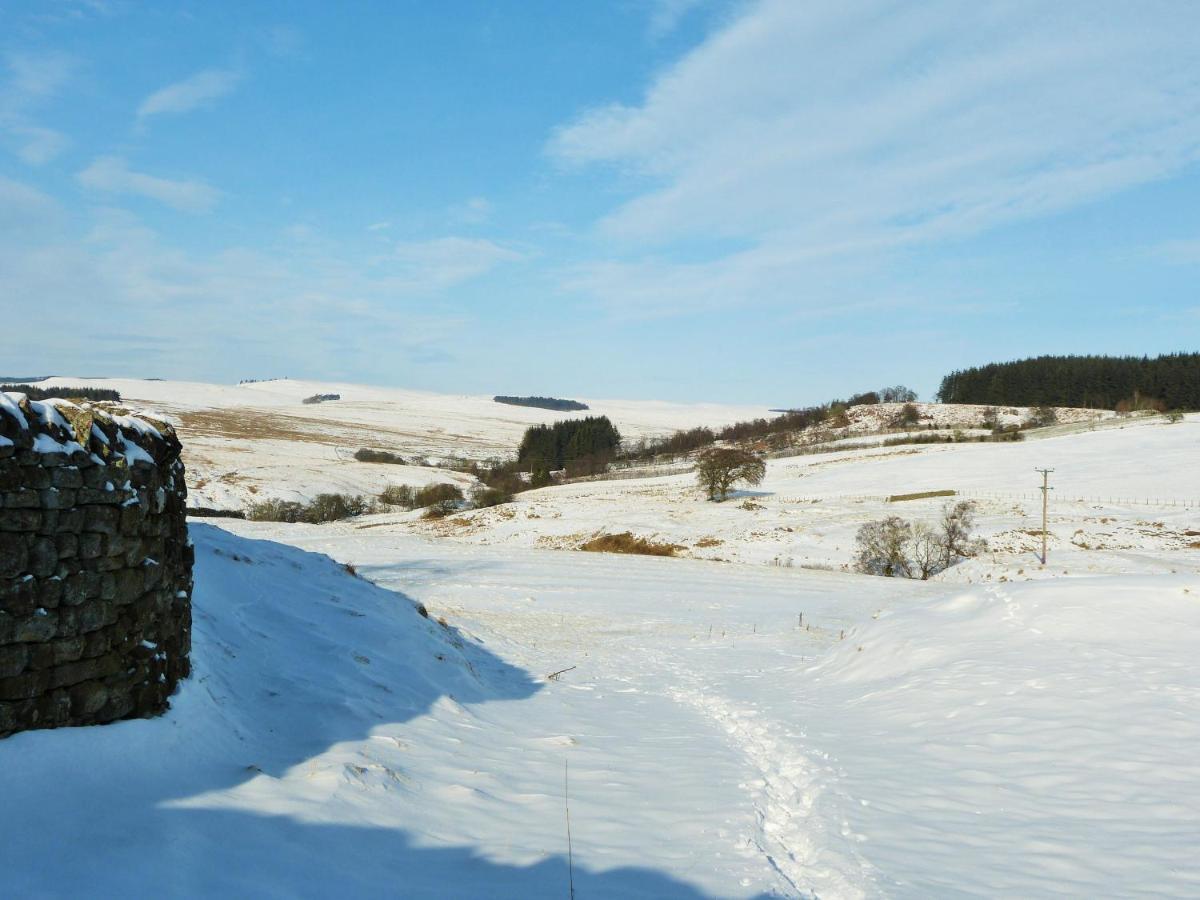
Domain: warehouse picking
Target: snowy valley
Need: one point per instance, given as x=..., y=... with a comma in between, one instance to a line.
x=390, y=703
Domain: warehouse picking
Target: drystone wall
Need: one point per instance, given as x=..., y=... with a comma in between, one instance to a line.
x=95, y=564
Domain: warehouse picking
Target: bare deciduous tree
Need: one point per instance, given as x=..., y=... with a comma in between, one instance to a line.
x=928, y=553
x=883, y=548
x=897, y=394
x=895, y=548
x=958, y=521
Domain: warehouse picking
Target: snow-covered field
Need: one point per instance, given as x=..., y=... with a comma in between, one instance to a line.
x=721, y=729
x=1122, y=498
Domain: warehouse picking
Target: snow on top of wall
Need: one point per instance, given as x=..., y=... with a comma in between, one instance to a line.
x=98, y=430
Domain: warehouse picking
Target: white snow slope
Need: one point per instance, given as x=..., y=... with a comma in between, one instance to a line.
x=1016, y=740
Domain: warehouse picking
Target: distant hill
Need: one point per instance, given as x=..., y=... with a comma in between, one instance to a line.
x=23, y=379
x=1100, y=382
x=543, y=403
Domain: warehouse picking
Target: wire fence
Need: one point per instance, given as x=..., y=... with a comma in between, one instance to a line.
x=1112, y=500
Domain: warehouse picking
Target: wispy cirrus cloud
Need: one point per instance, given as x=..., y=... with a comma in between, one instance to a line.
x=442, y=263
x=112, y=175
x=193, y=92
x=32, y=80
x=665, y=15
x=800, y=132
x=284, y=305
x=474, y=211
x=1185, y=251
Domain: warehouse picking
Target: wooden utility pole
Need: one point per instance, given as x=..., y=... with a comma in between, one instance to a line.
x=1046, y=489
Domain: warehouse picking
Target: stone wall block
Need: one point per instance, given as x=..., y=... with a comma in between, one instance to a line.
x=95, y=570
x=13, y=659
x=43, y=557
x=24, y=521
x=66, y=477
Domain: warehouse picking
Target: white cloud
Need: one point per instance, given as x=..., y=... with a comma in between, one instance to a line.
x=475, y=211
x=805, y=130
x=32, y=80
x=111, y=174
x=198, y=90
x=441, y=263
x=112, y=282
x=665, y=15
x=1182, y=252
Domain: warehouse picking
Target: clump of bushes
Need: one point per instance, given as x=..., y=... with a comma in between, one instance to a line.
x=321, y=398
x=484, y=496
x=398, y=495
x=1041, y=416
x=322, y=508
x=444, y=498
x=908, y=415
x=377, y=456
x=895, y=548
x=439, y=500
x=625, y=542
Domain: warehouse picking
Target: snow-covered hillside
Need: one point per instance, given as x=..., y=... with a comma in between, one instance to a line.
x=243, y=443
x=1122, y=496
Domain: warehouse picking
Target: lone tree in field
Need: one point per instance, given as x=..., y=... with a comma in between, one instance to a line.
x=717, y=470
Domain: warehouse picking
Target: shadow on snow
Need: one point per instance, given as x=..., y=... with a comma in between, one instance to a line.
x=292, y=655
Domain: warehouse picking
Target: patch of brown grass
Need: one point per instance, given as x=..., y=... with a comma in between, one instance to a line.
x=709, y=542
x=625, y=542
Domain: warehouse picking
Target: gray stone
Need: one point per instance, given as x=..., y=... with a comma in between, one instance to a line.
x=14, y=554
x=80, y=587
x=57, y=498
x=22, y=498
x=91, y=545
x=66, y=477
x=39, y=627
x=67, y=544
x=102, y=519
x=13, y=659
x=43, y=557
x=26, y=520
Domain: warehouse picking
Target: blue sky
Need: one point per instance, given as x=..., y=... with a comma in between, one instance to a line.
x=773, y=202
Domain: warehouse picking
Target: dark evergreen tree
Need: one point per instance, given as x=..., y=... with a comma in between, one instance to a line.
x=1100, y=382
x=548, y=447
